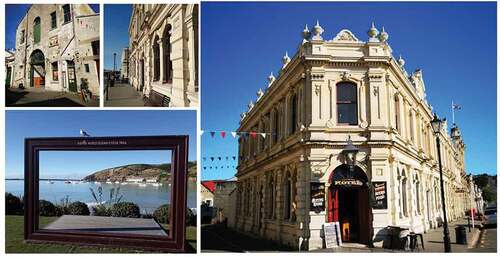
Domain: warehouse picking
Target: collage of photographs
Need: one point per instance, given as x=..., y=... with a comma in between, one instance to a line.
x=204, y=127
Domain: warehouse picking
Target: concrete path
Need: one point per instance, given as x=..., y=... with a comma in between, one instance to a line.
x=100, y=224
x=123, y=95
x=32, y=97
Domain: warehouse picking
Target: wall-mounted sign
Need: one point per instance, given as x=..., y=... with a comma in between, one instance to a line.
x=333, y=237
x=380, y=195
x=317, y=197
x=348, y=182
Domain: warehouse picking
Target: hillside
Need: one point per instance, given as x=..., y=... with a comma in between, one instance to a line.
x=488, y=184
x=146, y=171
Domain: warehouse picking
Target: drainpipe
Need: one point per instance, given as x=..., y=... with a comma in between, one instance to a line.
x=25, y=39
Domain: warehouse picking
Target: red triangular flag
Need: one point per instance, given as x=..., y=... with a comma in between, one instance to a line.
x=223, y=134
x=253, y=134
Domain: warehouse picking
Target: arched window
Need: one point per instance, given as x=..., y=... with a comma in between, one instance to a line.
x=167, y=49
x=412, y=123
x=156, y=59
x=417, y=193
x=396, y=114
x=36, y=30
x=404, y=188
x=293, y=114
x=347, y=103
x=276, y=125
x=270, y=212
x=287, y=193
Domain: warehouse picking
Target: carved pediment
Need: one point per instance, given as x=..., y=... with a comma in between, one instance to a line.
x=346, y=36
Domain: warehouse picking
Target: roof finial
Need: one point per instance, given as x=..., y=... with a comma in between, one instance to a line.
x=317, y=31
x=305, y=34
x=373, y=33
x=383, y=36
x=401, y=61
x=271, y=79
x=286, y=60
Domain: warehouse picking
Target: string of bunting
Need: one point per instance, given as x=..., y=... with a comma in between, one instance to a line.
x=217, y=167
x=243, y=134
x=220, y=158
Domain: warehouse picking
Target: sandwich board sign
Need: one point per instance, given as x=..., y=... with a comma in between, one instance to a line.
x=333, y=236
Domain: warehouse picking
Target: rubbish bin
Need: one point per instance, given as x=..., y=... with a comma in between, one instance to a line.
x=461, y=235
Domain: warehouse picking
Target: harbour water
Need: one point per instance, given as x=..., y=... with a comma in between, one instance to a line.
x=147, y=195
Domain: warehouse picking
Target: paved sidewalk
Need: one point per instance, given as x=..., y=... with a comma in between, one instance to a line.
x=33, y=97
x=123, y=95
x=433, y=241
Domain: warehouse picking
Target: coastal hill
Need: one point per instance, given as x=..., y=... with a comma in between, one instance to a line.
x=159, y=172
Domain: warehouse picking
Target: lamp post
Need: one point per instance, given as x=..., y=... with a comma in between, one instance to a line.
x=436, y=127
x=350, y=151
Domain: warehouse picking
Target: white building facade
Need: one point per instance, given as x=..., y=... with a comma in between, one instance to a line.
x=293, y=181
x=163, y=62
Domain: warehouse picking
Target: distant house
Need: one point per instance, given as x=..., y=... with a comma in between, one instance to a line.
x=135, y=179
x=207, y=192
x=225, y=201
x=152, y=180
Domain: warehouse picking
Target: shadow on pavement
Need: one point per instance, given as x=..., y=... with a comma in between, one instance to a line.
x=58, y=102
x=11, y=97
x=218, y=238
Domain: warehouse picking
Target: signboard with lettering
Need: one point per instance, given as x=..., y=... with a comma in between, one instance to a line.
x=380, y=191
x=348, y=182
x=333, y=237
x=317, y=197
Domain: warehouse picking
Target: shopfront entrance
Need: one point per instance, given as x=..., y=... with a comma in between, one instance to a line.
x=349, y=204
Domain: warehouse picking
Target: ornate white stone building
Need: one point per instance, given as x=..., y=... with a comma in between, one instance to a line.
x=163, y=62
x=124, y=64
x=293, y=181
x=57, y=45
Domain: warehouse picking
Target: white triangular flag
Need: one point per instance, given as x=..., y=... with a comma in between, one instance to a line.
x=234, y=134
x=263, y=135
x=201, y=133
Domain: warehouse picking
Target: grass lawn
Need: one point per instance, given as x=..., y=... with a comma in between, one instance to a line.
x=14, y=240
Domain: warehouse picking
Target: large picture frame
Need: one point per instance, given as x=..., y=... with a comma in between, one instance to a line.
x=173, y=242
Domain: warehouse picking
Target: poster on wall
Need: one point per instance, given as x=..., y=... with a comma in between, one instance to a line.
x=317, y=197
x=380, y=191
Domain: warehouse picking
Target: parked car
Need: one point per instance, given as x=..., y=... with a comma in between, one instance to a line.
x=490, y=217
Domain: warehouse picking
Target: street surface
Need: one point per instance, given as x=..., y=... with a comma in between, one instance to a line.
x=123, y=95
x=43, y=98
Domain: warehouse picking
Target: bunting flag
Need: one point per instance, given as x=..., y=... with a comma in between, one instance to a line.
x=241, y=134
x=201, y=132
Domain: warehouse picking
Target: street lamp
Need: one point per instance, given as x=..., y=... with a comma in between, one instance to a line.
x=436, y=127
x=350, y=151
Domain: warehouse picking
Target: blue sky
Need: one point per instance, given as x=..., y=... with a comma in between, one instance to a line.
x=53, y=164
x=14, y=13
x=453, y=43
x=116, y=21
x=22, y=124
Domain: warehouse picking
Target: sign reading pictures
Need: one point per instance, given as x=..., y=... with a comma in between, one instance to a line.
x=348, y=182
x=332, y=234
x=317, y=197
x=380, y=190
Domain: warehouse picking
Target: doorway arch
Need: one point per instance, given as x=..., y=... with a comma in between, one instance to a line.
x=37, y=69
x=349, y=204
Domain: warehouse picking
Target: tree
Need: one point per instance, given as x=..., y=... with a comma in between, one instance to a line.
x=481, y=180
x=488, y=195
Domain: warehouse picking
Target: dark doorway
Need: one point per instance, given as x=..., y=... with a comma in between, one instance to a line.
x=71, y=76
x=349, y=204
x=8, y=77
x=37, y=69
